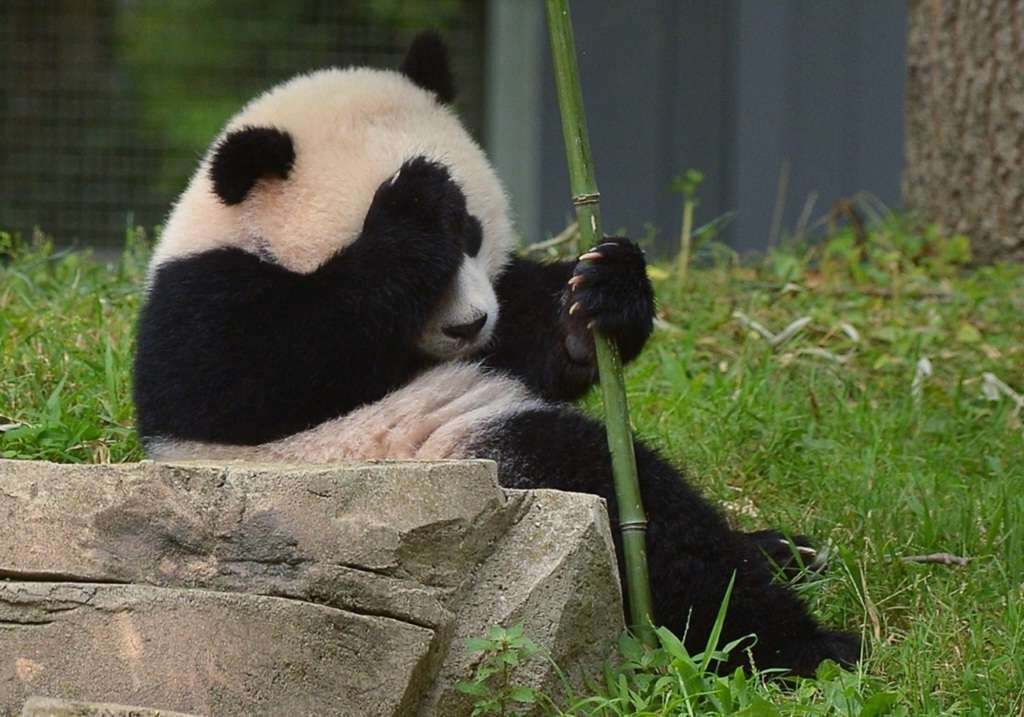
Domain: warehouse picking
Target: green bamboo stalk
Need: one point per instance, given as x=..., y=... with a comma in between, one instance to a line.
x=632, y=520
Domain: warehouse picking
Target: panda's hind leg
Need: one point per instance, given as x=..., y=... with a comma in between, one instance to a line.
x=693, y=554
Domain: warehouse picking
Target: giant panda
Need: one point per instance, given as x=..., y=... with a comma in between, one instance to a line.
x=337, y=282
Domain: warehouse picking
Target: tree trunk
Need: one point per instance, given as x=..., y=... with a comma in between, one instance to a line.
x=965, y=121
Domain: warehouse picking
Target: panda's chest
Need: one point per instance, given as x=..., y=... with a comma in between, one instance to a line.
x=433, y=417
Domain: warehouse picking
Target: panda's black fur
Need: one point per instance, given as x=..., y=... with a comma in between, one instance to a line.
x=236, y=317
x=236, y=349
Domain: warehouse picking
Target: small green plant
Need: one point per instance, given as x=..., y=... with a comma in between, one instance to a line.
x=492, y=687
x=895, y=252
x=686, y=184
x=667, y=680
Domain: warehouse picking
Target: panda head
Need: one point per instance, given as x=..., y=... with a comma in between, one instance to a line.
x=292, y=175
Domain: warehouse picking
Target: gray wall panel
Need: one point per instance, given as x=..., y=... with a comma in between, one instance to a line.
x=700, y=111
x=620, y=48
x=736, y=88
x=883, y=33
x=760, y=119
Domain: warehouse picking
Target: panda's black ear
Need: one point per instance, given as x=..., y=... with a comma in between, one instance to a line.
x=247, y=155
x=426, y=64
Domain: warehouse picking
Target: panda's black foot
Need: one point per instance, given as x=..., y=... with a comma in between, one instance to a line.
x=421, y=199
x=793, y=557
x=802, y=657
x=609, y=291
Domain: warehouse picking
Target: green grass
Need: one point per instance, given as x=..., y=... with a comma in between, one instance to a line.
x=791, y=437
x=66, y=341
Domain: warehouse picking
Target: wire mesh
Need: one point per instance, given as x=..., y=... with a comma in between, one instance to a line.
x=106, y=105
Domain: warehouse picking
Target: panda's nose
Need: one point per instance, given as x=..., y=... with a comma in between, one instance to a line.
x=466, y=331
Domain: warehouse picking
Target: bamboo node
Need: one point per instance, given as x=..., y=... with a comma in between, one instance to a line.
x=625, y=525
x=592, y=198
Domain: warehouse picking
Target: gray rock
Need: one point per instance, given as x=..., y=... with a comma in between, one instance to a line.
x=242, y=589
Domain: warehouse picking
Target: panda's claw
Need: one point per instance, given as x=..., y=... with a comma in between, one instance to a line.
x=795, y=557
x=802, y=549
x=591, y=256
x=574, y=308
x=575, y=281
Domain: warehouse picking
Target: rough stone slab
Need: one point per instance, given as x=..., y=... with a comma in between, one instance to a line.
x=374, y=537
x=241, y=589
x=46, y=707
x=205, y=652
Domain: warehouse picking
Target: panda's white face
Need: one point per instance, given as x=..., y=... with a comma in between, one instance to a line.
x=351, y=129
x=464, y=322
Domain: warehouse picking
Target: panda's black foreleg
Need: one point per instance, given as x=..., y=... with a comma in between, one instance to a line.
x=548, y=312
x=407, y=254
x=691, y=550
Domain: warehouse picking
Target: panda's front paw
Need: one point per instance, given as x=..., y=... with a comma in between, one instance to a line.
x=609, y=291
x=421, y=199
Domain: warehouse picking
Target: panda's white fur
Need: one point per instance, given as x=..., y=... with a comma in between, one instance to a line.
x=352, y=129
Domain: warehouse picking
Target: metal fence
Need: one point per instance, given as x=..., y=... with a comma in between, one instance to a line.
x=106, y=105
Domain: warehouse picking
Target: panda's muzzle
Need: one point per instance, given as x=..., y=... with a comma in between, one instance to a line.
x=467, y=331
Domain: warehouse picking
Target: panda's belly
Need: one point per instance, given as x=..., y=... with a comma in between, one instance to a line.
x=433, y=417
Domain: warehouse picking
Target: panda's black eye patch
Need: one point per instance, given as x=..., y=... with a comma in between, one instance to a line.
x=474, y=236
